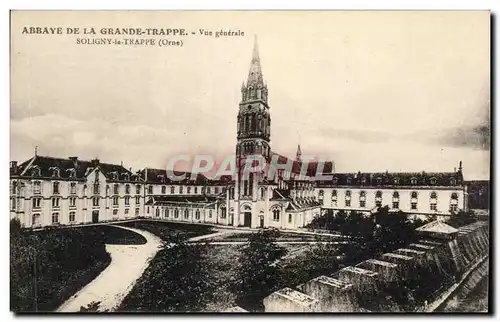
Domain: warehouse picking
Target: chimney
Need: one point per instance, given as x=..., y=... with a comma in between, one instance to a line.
x=95, y=162
x=75, y=161
x=13, y=166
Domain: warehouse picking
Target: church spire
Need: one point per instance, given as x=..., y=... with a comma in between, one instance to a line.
x=299, y=153
x=255, y=74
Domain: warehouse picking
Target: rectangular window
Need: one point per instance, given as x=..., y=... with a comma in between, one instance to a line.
x=127, y=189
x=348, y=203
x=72, y=188
x=433, y=206
x=115, y=201
x=276, y=215
x=395, y=204
x=36, y=203
x=116, y=189
x=35, y=219
x=137, y=189
x=163, y=190
x=97, y=189
x=55, y=202
x=378, y=203
x=181, y=190
x=55, y=217
x=95, y=201
x=55, y=188
x=37, y=187
x=289, y=218
x=216, y=190
x=150, y=189
x=208, y=190
x=362, y=204
x=12, y=203
x=334, y=203
x=72, y=216
x=137, y=211
x=172, y=190
x=127, y=200
x=72, y=202
x=413, y=206
x=195, y=190
x=453, y=208
x=126, y=211
x=188, y=190
x=137, y=200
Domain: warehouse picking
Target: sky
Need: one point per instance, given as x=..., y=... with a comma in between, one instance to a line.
x=372, y=91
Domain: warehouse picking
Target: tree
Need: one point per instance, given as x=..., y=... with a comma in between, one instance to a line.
x=258, y=269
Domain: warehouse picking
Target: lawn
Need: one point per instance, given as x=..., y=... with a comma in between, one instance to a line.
x=167, y=230
x=49, y=266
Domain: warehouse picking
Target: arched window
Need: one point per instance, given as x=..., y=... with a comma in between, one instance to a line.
x=378, y=199
x=321, y=193
x=433, y=180
x=276, y=214
x=197, y=214
x=433, y=195
x=157, y=212
x=454, y=202
x=334, y=198
x=379, y=180
x=395, y=200
x=362, y=199
x=167, y=212
x=433, y=201
x=35, y=171
x=262, y=193
x=414, y=195
x=413, y=180
x=138, y=189
x=348, y=193
x=127, y=189
x=172, y=190
x=186, y=213
x=176, y=213
x=223, y=211
x=349, y=180
x=453, y=181
x=116, y=188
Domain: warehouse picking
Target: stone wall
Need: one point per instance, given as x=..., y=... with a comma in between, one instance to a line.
x=363, y=287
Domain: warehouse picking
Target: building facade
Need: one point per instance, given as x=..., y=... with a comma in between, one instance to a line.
x=47, y=191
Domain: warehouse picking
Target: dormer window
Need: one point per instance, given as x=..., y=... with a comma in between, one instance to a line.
x=335, y=180
x=55, y=172
x=379, y=180
x=349, y=180
x=396, y=180
x=115, y=176
x=126, y=177
x=413, y=180
x=433, y=180
x=453, y=181
x=72, y=173
x=35, y=172
x=363, y=180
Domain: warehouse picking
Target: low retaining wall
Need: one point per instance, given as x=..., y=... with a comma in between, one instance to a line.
x=361, y=287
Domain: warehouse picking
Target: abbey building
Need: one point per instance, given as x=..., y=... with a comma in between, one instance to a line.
x=46, y=191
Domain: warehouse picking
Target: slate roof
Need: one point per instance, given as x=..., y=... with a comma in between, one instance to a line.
x=181, y=199
x=395, y=179
x=159, y=176
x=71, y=168
x=297, y=165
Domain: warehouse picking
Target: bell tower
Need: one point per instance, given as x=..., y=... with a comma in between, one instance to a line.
x=253, y=130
